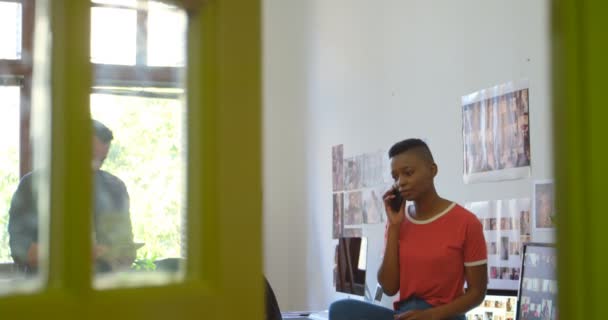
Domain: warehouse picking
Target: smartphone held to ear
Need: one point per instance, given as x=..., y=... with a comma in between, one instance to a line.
x=397, y=201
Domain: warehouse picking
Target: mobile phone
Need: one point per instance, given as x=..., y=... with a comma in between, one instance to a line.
x=397, y=201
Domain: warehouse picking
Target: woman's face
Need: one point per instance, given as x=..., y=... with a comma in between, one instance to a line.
x=413, y=174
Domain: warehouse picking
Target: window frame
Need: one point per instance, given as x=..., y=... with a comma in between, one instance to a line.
x=220, y=265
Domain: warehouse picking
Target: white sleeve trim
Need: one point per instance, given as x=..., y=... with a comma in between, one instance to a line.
x=475, y=263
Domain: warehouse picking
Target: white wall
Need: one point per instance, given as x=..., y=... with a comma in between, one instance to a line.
x=367, y=74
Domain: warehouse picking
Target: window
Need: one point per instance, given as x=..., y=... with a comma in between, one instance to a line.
x=213, y=250
x=145, y=33
x=9, y=161
x=147, y=153
x=144, y=108
x=164, y=23
x=113, y=35
x=10, y=30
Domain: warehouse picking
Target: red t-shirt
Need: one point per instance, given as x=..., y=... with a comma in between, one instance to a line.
x=434, y=252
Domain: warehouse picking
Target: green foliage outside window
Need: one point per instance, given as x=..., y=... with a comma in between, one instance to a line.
x=147, y=154
x=9, y=179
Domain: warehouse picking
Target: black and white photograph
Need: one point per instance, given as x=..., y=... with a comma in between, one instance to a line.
x=544, y=206
x=373, y=207
x=371, y=164
x=338, y=215
x=496, y=133
x=352, y=173
x=337, y=167
x=353, y=208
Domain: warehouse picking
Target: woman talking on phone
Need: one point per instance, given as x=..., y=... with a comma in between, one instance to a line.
x=430, y=252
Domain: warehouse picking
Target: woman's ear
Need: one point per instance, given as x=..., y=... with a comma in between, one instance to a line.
x=434, y=169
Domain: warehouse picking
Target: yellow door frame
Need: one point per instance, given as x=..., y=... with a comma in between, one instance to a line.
x=580, y=66
x=224, y=198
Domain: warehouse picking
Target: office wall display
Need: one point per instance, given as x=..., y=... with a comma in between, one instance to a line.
x=358, y=183
x=496, y=133
x=338, y=217
x=337, y=167
x=372, y=164
x=506, y=226
x=352, y=232
x=544, y=205
x=538, y=287
x=373, y=206
x=353, y=208
x=352, y=173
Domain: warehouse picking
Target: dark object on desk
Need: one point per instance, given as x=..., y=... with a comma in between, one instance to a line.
x=169, y=264
x=351, y=265
x=272, y=306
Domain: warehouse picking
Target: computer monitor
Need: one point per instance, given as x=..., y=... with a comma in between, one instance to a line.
x=497, y=305
x=538, y=284
x=351, y=265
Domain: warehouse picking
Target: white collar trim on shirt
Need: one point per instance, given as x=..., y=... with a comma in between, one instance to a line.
x=441, y=214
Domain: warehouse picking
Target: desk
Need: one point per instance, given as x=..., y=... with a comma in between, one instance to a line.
x=306, y=315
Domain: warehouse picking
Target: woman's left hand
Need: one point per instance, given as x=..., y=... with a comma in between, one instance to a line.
x=427, y=314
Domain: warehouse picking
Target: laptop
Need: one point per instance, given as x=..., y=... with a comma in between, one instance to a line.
x=537, y=298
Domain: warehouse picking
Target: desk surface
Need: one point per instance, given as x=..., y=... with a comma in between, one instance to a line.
x=306, y=315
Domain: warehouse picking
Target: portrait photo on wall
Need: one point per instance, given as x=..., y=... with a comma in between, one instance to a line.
x=372, y=169
x=352, y=173
x=352, y=233
x=338, y=215
x=337, y=167
x=373, y=206
x=496, y=133
x=544, y=205
x=501, y=221
x=353, y=208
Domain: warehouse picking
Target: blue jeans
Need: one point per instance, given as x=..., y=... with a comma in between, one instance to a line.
x=351, y=309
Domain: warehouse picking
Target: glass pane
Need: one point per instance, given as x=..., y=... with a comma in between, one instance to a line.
x=166, y=35
x=145, y=164
x=10, y=30
x=9, y=167
x=139, y=159
x=25, y=148
x=122, y=3
x=113, y=35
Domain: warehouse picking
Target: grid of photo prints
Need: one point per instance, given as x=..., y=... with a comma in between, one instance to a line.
x=539, y=284
x=496, y=133
x=506, y=226
x=358, y=182
x=494, y=308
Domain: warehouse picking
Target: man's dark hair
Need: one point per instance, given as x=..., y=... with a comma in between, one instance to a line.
x=102, y=132
x=416, y=145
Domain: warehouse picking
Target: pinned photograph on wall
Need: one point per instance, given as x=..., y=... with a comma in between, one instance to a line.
x=501, y=221
x=387, y=177
x=352, y=233
x=544, y=205
x=496, y=133
x=353, y=208
x=372, y=169
x=352, y=173
x=373, y=208
x=525, y=223
x=337, y=167
x=338, y=215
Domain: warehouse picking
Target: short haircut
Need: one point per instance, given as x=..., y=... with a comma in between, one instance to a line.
x=102, y=132
x=416, y=145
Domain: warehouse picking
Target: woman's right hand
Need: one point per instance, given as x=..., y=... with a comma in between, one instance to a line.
x=394, y=217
